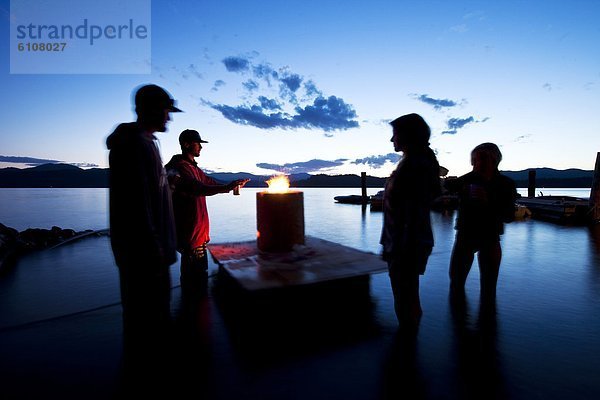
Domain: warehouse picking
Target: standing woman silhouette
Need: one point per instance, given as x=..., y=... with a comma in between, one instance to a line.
x=407, y=237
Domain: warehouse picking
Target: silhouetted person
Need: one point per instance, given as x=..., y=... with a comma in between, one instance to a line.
x=142, y=231
x=486, y=202
x=190, y=187
x=407, y=237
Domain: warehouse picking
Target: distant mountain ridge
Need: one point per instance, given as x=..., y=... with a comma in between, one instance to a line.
x=255, y=180
x=53, y=175
x=69, y=176
x=549, y=177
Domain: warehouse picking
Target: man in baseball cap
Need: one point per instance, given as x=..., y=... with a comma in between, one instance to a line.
x=153, y=105
x=153, y=96
x=142, y=229
x=190, y=186
x=190, y=136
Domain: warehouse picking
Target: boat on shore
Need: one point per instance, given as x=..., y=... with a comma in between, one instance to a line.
x=377, y=201
x=351, y=199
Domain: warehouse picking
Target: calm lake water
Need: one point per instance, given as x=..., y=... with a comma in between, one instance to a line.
x=545, y=344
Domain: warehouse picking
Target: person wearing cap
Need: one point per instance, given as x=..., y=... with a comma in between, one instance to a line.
x=190, y=186
x=407, y=237
x=142, y=231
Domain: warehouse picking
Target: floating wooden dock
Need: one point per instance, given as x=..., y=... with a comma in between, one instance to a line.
x=561, y=209
x=316, y=262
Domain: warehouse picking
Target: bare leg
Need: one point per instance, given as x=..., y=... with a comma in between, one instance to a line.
x=489, y=267
x=405, y=286
x=460, y=264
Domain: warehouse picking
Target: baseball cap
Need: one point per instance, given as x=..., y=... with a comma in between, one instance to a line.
x=190, y=136
x=153, y=97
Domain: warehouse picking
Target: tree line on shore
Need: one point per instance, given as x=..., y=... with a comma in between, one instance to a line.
x=69, y=176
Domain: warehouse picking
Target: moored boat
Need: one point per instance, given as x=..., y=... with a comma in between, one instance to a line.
x=377, y=201
x=351, y=199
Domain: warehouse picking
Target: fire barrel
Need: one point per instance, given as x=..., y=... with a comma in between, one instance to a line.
x=279, y=220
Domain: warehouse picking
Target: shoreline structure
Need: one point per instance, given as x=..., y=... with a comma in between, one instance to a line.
x=14, y=244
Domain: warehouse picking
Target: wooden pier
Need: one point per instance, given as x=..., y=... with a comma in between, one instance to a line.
x=561, y=209
x=316, y=262
x=565, y=209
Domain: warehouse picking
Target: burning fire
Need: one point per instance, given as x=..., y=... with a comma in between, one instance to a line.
x=278, y=184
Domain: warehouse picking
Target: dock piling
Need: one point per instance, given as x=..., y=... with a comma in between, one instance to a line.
x=531, y=187
x=595, y=192
x=363, y=185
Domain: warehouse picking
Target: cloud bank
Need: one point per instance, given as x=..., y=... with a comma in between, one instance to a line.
x=32, y=161
x=314, y=165
x=454, y=124
x=317, y=165
x=437, y=104
x=217, y=85
x=295, y=102
x=328, y=114
x=378, y=161
x=236, y=64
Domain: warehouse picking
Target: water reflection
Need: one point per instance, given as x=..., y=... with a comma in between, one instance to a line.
x=272, y=326
x=402, y=376
x=594, y=255
x=479, y=375
x=363, y=224
x=193, y=342
x=595, y=239
x=173, y=357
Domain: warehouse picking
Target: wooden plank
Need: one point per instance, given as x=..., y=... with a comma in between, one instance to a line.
x=318, y=260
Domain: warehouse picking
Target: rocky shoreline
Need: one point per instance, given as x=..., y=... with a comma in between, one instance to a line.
x=14, y=243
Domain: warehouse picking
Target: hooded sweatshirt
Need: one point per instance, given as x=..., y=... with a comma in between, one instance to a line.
x=189, y=202
x=141, y=215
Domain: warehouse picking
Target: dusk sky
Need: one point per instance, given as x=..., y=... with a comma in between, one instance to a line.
x=310, y=86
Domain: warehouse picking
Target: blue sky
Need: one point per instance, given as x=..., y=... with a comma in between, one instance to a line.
x=309, y=86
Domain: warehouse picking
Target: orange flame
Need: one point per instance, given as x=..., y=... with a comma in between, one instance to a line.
x=278, y=184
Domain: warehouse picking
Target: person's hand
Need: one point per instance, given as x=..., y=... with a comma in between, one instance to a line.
x=242, y=182
x=238, y=182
